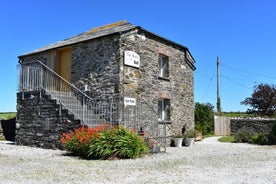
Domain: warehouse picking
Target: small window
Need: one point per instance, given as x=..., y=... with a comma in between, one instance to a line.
x=164, y=109
x=164, y=66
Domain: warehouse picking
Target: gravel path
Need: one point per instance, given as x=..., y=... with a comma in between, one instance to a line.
x=208, y=161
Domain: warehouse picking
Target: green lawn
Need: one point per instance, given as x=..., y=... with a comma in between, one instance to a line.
x=7, y=115
x=227, y=139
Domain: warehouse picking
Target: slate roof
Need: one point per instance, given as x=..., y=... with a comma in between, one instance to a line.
x=97, y=32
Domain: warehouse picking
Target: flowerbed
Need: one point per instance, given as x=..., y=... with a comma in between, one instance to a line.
x=104, y=142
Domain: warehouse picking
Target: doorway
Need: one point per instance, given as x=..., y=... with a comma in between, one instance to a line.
x=60, y=61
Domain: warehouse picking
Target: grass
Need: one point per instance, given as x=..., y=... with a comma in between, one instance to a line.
x=208, y=135
x=227, y=139
x=7, y=115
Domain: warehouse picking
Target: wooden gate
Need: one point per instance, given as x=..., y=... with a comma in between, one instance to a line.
x=222, y=125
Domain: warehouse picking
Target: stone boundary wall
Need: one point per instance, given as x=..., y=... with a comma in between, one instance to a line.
x=252, y=125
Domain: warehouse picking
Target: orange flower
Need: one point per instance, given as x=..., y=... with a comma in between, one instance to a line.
x=83, y=134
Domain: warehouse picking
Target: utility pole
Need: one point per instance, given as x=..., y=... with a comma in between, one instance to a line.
x=218, y=86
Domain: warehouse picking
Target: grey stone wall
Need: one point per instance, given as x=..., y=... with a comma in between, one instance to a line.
x=40, y=56
x=253, y=126
x=39, y=122
x=144, y=82
x=95, y=64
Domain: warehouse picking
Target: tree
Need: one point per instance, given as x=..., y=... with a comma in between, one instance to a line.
x=204, y=117
x=262, y=100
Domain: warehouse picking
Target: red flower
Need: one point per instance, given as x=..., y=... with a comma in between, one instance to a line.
x=83, y=134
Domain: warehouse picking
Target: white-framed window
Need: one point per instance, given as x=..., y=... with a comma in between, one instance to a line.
x=164, y=109
x=164, y=66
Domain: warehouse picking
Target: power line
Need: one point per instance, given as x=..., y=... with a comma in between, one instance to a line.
x=240, y=77
x=252, y=73
x=245, y=79
x=204, y=68
x=210, y=81
x=203, y=74
x=237, y=83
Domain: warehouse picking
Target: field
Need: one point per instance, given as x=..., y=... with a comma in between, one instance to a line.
x=238, y=114
x=7, y=115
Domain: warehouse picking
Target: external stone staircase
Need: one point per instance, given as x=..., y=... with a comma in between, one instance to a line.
x=89, y=115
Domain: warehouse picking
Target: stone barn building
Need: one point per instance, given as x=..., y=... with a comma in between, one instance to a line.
x=118, y=73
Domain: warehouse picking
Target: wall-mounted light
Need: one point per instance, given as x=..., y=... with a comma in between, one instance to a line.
x=86, y=88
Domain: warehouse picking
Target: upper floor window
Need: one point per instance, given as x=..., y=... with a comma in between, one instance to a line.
x=164, y=66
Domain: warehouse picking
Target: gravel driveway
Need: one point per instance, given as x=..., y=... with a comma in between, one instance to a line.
x=208, y=161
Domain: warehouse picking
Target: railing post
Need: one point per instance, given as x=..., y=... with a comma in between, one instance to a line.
x=40, y=82
x=110, y=111
x=21, y=81
x=165, y=137
x=83, y=102
x=59, y=108
x=27, y=80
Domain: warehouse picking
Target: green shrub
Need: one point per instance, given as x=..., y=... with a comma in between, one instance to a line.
x=272, y=135
x=204, y=118
x=259, y=138
x=78, y=141
x=247, y=137
x=104, y=142
x=243, y=136
x=190, y=134
x=117, y=142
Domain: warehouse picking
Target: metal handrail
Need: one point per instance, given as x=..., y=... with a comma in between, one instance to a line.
x=64, y=80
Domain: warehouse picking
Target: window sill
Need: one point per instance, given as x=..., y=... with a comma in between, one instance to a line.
x=164, y=78
x=164, y=122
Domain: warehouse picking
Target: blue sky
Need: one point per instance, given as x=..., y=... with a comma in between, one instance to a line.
x=241, y=32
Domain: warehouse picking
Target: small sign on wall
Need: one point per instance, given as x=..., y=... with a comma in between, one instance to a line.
x=129, y=101
x=132, y=59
